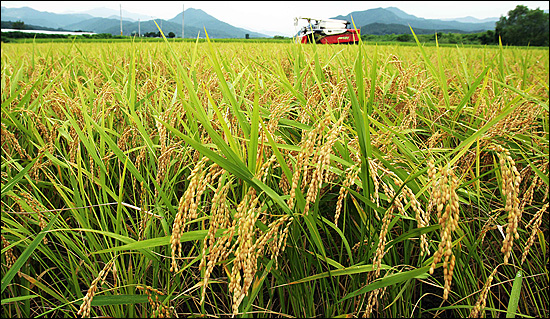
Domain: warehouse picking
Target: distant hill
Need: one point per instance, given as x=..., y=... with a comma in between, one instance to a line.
x=9, y=25
x=470, y=19
x=112, y=26
x=114, y=14
x=195, y=20
x=41, y=18
x=103, y=20
x=393, y=28
x=395, y=16
x=97, y=25
x=400, y=13
x=201, y=19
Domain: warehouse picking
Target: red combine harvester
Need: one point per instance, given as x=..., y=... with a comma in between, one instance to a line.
x=327, y=32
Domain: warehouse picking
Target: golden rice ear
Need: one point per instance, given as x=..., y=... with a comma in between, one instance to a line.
x=85, y=307
x=10, y=256
x=446, y=201
x=511, y=180
x=9, y=142
x=158, y=310
x=535, y=224
x=306, y=150
x=482, y=299
x=421, y=216
x=187, y=208
x=37, y=208
x=350, y=176
x=219, y=219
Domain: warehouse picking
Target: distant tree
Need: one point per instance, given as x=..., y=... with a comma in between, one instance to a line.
x=471, y=38
x=20, y=25
x=103, y=36
x=247, y=36
x=404, y=37
x=438, y=35
x=488, y=37
x=453, y=38
x=171, y=34
x=278, y=37
x=524, y=27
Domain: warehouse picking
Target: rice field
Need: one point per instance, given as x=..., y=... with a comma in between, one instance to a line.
x=274, y=179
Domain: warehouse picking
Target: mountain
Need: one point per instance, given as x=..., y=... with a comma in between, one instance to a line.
x=112, y=26
x=41, y=18
x=393, y=15
x=400, y=13
x=201, y=19
x=470, y=19
x=9, y=25
x=97, y=25
x=104, y=20
x=114, y=14
x=108, y=21
x=117, y=17
x=393, y=28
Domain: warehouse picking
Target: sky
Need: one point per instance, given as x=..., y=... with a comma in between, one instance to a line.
x=278, y=16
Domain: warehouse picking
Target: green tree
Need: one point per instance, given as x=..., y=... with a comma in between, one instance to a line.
x=438, y=35
x=524, y=27
x=103, y=36
x=488, y=37
x=171, y=34
x=454, y=38
x=404, y=37
x=20, y=25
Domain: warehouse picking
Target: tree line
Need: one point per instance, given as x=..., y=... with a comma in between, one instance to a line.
x=487, y=37
x=522, y=27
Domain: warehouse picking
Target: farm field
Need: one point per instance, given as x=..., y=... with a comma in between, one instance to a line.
x=170, y=179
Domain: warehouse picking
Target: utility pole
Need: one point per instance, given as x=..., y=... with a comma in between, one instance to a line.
x=182, y=27
x=120, y=19
x=139, y=28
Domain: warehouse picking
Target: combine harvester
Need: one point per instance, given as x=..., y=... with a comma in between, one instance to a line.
x=327, y=32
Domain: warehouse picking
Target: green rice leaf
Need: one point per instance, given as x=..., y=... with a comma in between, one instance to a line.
x=514, y=296
x=6, y=279
x=388, y=281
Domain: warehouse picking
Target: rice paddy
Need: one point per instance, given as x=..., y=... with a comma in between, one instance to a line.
x=274, y=179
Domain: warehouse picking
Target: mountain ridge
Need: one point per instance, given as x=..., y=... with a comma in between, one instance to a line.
x=195, y=22
x=41, y=18
x=397, y=16
x=103, y=12
x=107, y=21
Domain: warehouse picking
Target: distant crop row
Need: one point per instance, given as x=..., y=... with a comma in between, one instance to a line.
x=273, y=179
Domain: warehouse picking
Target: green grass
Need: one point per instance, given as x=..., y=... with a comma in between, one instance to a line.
x=113, y=130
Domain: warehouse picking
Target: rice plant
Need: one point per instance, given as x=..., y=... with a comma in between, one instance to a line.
x=182, y=179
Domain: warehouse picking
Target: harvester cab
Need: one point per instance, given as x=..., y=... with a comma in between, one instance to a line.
x=326, y=31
